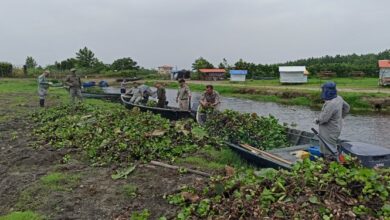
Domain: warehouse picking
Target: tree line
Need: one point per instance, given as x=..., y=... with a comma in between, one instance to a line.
x=342, y=65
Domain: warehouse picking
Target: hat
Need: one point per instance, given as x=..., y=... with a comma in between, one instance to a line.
x=46, y=71
x=73, y=70
x=329, y=91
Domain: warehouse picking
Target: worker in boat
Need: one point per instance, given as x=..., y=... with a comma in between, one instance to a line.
x=183, y=96
x=145, y=92
x=331, y=117
x=43, y=86
x=161, y=95
x=210, y=99
x=135, y=93
x=74, y=83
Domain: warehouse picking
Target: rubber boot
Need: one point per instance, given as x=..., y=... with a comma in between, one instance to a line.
x=42, y=102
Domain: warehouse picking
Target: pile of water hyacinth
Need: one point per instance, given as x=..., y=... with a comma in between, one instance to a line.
x=117, y=134
x=312, y=190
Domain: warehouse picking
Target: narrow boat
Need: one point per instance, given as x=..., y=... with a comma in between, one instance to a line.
x=105, y=96
x=171, y=113
x=307, y=143
x=280, y=158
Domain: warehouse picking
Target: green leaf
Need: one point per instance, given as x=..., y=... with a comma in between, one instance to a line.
x=314, y=200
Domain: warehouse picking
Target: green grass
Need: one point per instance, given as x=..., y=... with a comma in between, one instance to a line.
x=130, y=190
x=210, y=158
x=60, y=181
x=26, y=215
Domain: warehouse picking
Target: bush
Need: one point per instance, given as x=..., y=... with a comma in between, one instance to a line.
x=5, y=69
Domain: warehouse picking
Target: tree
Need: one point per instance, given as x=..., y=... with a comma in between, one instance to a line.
x=30, y=62
x=224, y=64
x=124, y=64
x=66, y=64
x=201, y=63
x=86, y=58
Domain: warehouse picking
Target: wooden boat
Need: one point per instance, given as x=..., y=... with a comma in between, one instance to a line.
x=370, y=156
x=171, y=113
x=114, y=97
x=280, y=158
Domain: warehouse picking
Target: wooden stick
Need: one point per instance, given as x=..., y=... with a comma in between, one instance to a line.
x=258, y=151
x=161, y=164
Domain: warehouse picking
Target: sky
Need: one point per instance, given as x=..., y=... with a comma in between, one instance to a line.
x=176, y=32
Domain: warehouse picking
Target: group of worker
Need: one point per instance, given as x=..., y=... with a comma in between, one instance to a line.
x=330, y=119
x=72, y=82
x=140, y=94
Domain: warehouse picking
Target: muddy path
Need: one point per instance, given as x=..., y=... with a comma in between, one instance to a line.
x=62, y=184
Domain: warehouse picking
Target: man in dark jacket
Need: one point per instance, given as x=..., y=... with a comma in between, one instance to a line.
x=161, y=95
x=74, y=83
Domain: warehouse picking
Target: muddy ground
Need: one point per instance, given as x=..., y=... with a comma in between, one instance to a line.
x=86, y=192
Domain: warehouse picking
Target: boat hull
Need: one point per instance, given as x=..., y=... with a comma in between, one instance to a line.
x=169, y=113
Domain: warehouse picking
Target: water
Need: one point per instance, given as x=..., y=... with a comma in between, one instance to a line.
x=372, y=129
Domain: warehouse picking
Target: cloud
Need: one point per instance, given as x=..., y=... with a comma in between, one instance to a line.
x=176, y=32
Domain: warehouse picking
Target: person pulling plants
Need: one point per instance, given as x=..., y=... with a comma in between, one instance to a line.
x=74, y=83
x=135, y=93
x=161, y=95
x=331, y=117
x=43, y=86
x=183, y=95
x=210, y=99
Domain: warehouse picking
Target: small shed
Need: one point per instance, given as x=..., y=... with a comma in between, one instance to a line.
x=212, y=74
x=293, y=74
x=238, y=75
x=384, y=72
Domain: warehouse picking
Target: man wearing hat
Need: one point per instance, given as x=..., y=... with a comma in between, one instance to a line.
x=74, y=83
x=331, y=116
x=43, y=86
x=183, y=95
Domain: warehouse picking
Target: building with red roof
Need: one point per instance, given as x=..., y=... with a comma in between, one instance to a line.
x=212, y=74
x=384, y=72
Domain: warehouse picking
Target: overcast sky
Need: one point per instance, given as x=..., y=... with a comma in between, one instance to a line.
x=176, y=32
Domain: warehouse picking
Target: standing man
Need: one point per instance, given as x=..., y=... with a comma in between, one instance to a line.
x=210, y=99
x=74, y=83
x=183, y=95
x=161, y=95
x=331, y=117
x=43, y=86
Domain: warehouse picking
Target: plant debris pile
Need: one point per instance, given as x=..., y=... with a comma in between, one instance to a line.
x=261, y=132
x=117, y=134
x=312, y=190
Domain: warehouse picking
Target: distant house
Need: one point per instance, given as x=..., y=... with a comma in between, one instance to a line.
x=238, y=75
x=293, y=74
x=212, y=74
x=384, y=72
x=165, y=70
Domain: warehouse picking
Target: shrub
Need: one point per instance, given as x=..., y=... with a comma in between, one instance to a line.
x=5, y=69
